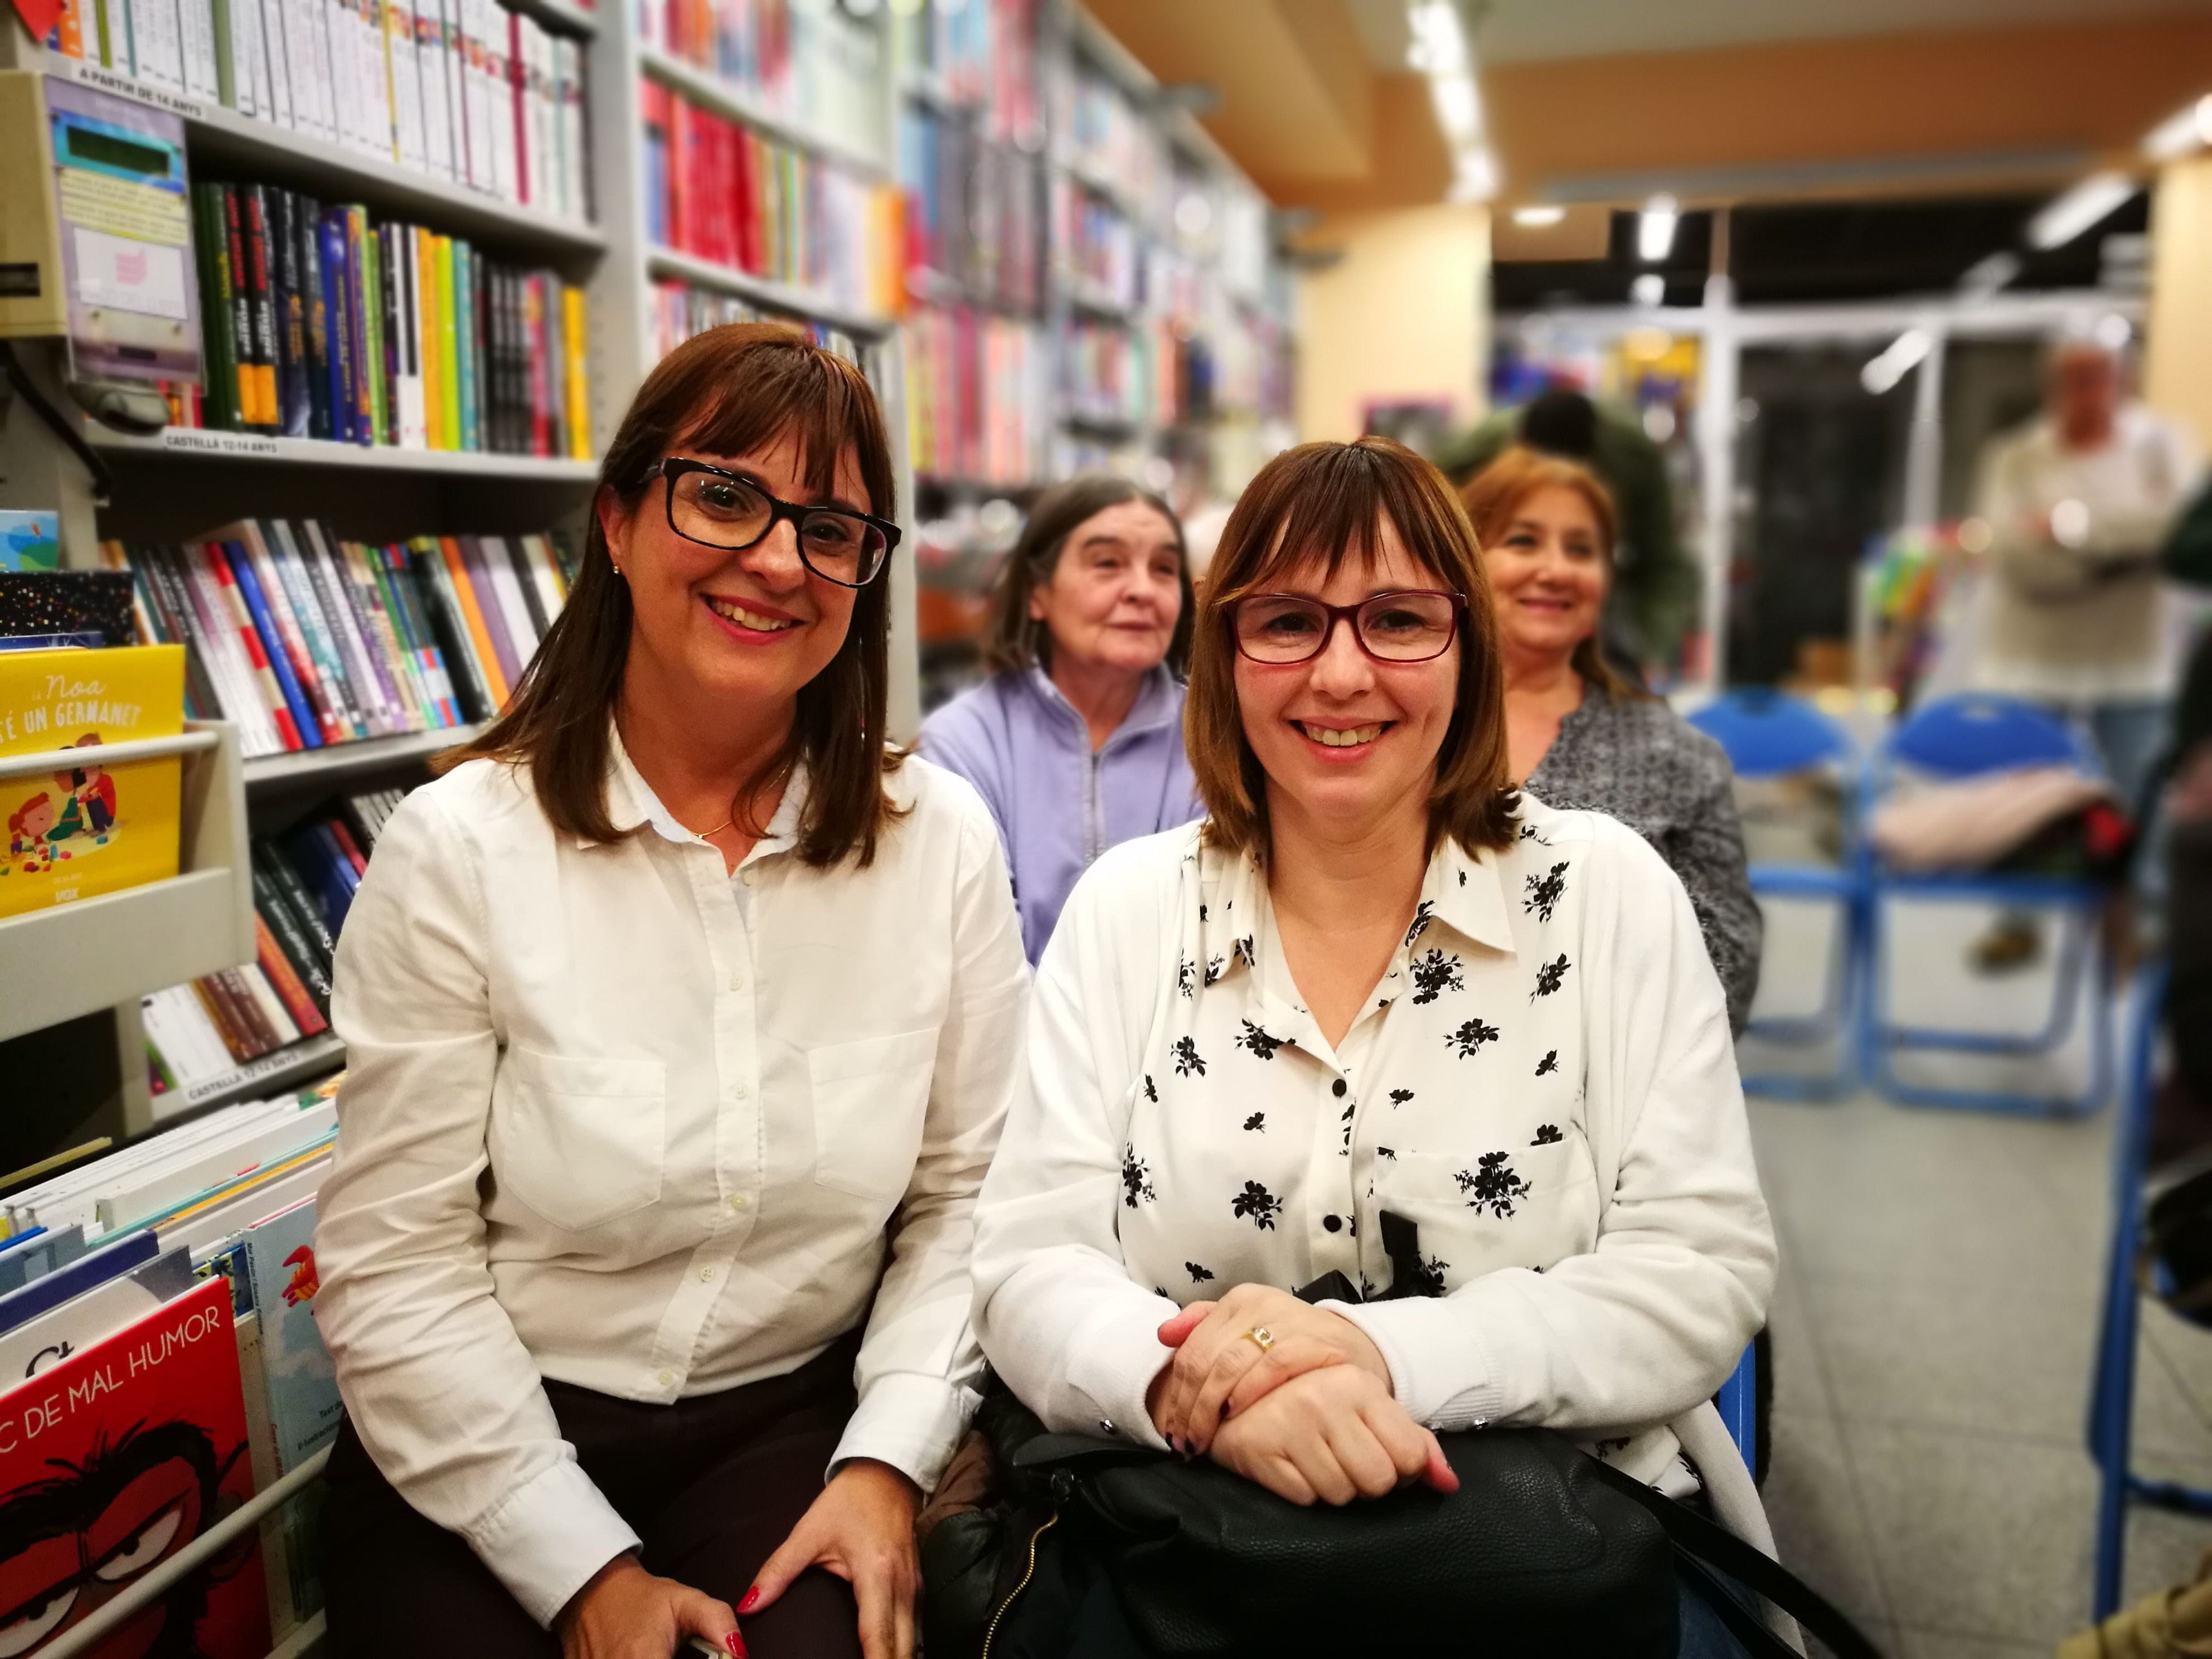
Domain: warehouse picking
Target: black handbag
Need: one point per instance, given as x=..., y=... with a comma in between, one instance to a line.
x=1543, y=1551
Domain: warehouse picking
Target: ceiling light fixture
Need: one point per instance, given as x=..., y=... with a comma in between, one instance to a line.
x=1655, y=229
x=1897, y=359
x=1985, y=276
x=1648, y=289
x=2067, y=215
x=2181, y=132
x=1539, y=215
x=1440, y=52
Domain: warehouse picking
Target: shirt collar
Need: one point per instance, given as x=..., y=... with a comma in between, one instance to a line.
x=631, y=805
x=1155, y=705
x=1462, y=891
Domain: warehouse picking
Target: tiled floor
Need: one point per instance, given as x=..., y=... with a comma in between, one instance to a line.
x=1933, y=1334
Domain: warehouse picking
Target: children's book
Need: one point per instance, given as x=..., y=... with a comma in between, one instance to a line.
x=85, y=829
x=301, y=1387
x=40, y=1344
x=30, y=541
x=37, y=1253
x=115, y=1460
x=88, y=1271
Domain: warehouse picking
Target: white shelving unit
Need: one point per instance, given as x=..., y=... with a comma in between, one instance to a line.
x=107, y=951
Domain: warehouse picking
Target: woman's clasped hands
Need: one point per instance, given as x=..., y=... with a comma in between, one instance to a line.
x=1293, y=1397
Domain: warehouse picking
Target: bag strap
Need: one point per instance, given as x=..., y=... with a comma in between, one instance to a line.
x=1704, y=1545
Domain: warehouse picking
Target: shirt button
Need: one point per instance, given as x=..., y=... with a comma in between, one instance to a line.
x=706, y=1275
x=1337, y=1088
x=1104, y=1426
x=668, y=1379
x=740, y=1200
x=1333, y=1223
x=741, y=1089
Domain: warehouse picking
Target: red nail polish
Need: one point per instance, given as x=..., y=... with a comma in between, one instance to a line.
x=735, y=1643
x=752, y=1597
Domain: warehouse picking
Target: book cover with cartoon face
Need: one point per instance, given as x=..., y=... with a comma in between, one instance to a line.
x=84, y=828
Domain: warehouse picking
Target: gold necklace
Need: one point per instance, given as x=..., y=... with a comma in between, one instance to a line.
x=709, y=834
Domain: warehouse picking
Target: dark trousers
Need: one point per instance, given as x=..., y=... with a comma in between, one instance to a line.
x=713, y=1485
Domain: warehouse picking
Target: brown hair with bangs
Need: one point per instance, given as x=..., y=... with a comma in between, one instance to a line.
x=1326, y=502
x=1014, y=641
x=727, y=392
x=1494, y=495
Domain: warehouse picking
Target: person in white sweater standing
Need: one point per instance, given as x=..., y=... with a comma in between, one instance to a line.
x=2079, y=503
x=1374, y=988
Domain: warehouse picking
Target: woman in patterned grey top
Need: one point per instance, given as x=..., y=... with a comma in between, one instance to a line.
x=1580, y=737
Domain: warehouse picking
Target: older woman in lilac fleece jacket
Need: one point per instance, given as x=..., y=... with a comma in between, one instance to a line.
x=1075, y=742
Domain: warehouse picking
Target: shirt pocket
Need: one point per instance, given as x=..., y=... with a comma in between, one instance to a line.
x=1528, y=1204
x=870, y=1099
x=579, y=1140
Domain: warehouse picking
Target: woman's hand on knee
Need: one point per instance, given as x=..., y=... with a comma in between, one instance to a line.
x=1332, y=1434
x=627, y=1613
x=1220, y=1370
x=862, y=1528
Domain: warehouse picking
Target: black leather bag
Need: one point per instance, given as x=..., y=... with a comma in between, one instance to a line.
x=1543, y=1550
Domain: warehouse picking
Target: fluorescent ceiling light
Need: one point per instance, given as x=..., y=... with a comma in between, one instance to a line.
x=1459, y=109
x=1475, y=176
x=2181, y=132
x=1985, y=276
x=1896, y=360
x=1655, y=230
x=1648, y=289
x=1439, y=44
x=1537, y=217
x=2066, y=216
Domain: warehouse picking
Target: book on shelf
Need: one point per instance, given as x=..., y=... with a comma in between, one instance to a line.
x=811, y=65
x=321, y=321
x=174, y=1368
x=974, y=215
x=676, y=311
x=86, y=828
x=979, y=397
x=304, y=639
x=461, y=91
x=727, y=193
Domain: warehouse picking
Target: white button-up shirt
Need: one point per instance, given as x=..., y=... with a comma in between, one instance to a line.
x=615, y=1118
x=1543, y=1083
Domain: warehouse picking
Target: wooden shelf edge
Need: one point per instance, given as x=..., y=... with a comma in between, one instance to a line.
x=703, y=86
x=705, y=273
x=335, y=761
x=196, y=443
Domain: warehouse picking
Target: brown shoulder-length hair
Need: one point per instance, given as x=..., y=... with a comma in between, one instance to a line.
x=1327, y=501
x=1494, y=495
x=727, y=391
x=1014, y=641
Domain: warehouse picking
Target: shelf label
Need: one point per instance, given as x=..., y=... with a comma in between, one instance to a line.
x=91, y=74
x=275, y=1063
x=218, y=443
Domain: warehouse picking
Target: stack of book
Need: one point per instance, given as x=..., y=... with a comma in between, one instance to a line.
x=220, y=1031
x=801, y=62
x=320, y=322
x=679, y=311
x=979, y=397
x=300, y=638
x=726, y=193
x=157, y=1325
x=974, y=215
x=980, y=56
x=465, y=91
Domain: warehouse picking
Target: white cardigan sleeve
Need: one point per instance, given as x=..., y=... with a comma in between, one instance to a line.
x=1649, y=1322
x=1056, y=1308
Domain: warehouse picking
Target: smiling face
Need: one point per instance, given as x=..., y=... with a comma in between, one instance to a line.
x=1549, y=571
x=742, y=629
x=1116, y=591
x=1343, y=738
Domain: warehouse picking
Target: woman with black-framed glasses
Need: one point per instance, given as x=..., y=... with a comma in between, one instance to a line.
x=681, y=1016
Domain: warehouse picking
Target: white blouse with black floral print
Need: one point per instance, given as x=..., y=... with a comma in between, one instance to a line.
x=1542, y=1082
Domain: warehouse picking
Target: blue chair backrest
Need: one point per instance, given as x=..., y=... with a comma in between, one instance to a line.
x=1963, y=737
x=1767, y=734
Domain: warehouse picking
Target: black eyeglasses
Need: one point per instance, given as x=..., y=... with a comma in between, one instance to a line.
x=1412, y=625
x=716, y=507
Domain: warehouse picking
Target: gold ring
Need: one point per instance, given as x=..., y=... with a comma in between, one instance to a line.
x=1261, y=1338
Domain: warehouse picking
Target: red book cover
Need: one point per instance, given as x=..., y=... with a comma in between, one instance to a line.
x=679, y=175
x=284, y=980
x=518, y=105
x=745, y=159
x=117, y=1458
x=346, y=845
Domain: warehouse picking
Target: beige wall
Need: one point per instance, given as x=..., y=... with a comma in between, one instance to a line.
x=2178, y=336
x=1404, y=315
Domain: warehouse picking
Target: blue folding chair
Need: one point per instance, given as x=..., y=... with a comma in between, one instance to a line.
x=1767, y=734
x=1955, y=738
x=1738, y=1402
x=2112, y=1401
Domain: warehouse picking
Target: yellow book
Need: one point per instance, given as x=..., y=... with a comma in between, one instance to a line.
x=84, y=829
x=419, y=243
x=578, y=390
x=449, y=360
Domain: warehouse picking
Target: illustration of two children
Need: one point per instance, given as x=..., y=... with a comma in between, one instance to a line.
x=86, y=808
